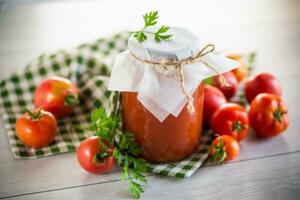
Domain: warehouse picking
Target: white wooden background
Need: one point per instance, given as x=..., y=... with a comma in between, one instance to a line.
x=266, y=169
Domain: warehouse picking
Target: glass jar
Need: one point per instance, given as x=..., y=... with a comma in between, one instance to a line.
x=153, y=90
x=171, y=140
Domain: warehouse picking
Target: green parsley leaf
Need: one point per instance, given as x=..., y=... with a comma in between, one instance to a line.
x=150, y=19
x=140, y=36
x=158, y=34
x=126, y=149
x=126, y=154
x=135, y=189
x=103, y=125
x=209, y=81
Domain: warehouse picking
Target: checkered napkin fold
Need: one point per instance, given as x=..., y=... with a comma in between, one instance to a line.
x=89, y=67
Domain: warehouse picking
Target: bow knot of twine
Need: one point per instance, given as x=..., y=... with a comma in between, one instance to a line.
x=178, y=65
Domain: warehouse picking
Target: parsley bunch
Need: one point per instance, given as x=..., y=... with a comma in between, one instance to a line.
x=150, y=19
x=126, y=150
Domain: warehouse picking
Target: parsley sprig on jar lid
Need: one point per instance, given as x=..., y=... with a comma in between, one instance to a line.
x=150, y=20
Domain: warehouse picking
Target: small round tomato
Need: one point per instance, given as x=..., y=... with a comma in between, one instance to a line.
x=261, y=83
x=228, y=90
x=224, y=148
x=241, y=71
x=230, y=119
x=36, y=128
x=57, y=95
x=87, y=156
x=268, y=115
x=213, y=98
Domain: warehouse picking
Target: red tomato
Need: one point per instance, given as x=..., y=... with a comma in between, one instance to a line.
x=224, y=148
x=230, y=90
x=261, y=83
x=56, y=95
x=86, y=153
x=268, y=115
x=230, y=119
x=213, y=98
x=36, y=128
x=241, y=71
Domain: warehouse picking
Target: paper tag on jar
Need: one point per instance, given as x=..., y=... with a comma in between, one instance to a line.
x=159, y=88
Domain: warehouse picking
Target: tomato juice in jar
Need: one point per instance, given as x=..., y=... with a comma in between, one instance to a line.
x=171, y=140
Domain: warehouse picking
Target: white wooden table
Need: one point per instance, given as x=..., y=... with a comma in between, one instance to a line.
x=266, y=169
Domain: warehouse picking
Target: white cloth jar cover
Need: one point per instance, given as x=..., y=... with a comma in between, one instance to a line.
x=158, y=88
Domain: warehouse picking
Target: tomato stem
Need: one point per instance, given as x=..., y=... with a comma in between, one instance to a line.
x=219, y=154
x=237, y=126
x=35, y=115
x=71, y=99
x=100, y=157
x=278, y=114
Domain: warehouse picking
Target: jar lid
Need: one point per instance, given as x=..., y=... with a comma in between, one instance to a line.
x=182, y=45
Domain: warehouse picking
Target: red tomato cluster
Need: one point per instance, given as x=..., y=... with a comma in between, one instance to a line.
x=267, y=114
x=54, y=98
x=57, y=97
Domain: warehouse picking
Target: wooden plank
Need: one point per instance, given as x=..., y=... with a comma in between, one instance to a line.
x=273, y=178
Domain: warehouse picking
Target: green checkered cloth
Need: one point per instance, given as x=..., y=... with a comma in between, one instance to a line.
x=185, y=168
x=89, y=67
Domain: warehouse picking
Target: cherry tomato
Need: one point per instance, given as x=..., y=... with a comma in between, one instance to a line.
x=213, y=98
x=86, y=156
x=241, y=71
x=261, y=83
x=36, y=128
x=230, y=90
x=224, y=148
x=268, y=115
x=230, y=119
x=57, y=95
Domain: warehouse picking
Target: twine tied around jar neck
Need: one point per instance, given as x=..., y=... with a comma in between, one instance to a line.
x=178, y=65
